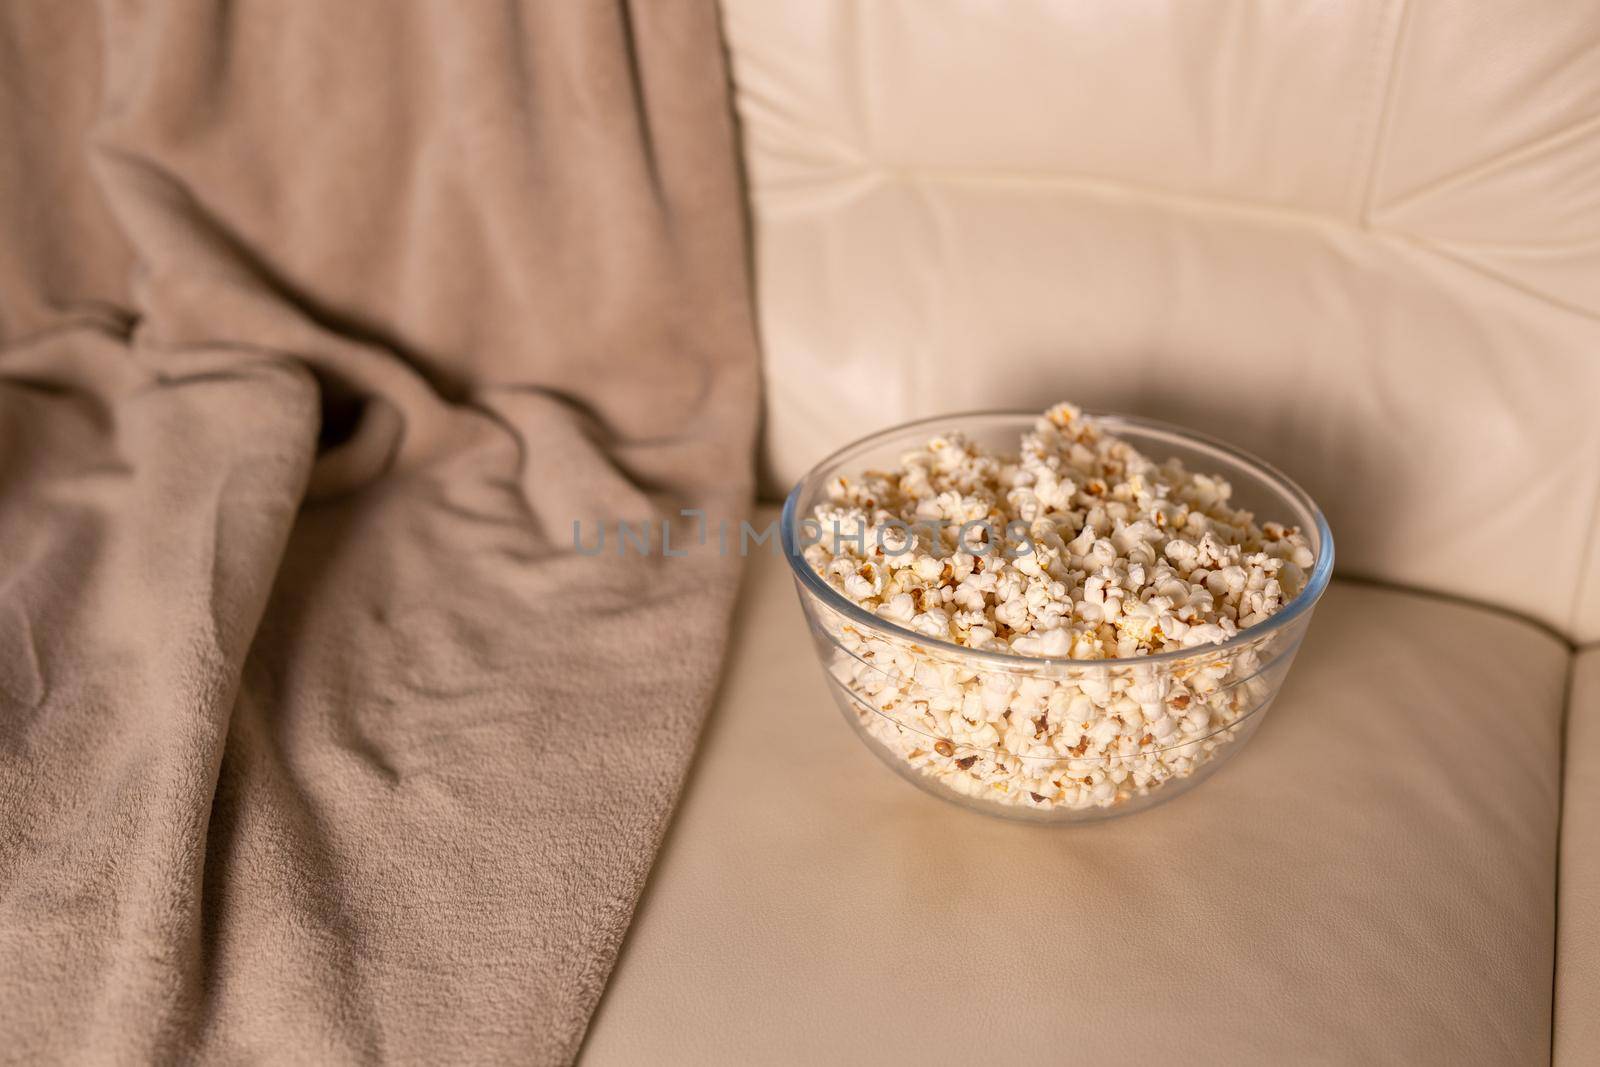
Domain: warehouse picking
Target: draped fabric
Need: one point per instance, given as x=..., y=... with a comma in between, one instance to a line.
x=320, y=326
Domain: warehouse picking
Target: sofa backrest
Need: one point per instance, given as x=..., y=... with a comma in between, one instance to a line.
x=1360, y=239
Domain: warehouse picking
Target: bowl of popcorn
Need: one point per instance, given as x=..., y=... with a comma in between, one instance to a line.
x=1057, y=618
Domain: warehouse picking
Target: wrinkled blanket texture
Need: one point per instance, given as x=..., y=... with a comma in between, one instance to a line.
x=320, y=325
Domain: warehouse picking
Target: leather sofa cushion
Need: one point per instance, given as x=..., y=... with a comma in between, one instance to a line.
x=1371, y=879
x=1299, y=226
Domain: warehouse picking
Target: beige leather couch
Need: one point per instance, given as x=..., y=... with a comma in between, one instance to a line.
x=1362, y=239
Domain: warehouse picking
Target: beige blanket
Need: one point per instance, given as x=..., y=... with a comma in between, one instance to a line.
x=320, y=324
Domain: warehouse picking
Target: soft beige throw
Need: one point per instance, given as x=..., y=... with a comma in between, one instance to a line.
x=321, y=321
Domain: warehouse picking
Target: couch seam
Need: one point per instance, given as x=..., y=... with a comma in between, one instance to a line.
x=1205, y=204
x=1089, y=183
x=1461, y=600
x=1465, y=262
x=1493, y=162
x=1385, y=117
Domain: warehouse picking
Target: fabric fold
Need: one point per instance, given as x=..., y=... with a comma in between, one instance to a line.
x=323, y=325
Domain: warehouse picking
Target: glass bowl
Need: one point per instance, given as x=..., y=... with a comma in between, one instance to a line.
x=899, y=688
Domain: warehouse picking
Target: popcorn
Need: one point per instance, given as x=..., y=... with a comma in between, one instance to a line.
x=1075, y=549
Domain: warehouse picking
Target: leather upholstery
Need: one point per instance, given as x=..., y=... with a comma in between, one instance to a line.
x=1577, y=1017
x=1362, y=239
x=1371, y=880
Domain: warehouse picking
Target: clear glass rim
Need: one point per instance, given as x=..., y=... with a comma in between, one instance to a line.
x=1316, y=582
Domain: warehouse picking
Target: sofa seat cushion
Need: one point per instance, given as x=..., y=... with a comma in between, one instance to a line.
x=1577, y=1029
x=1373, y=878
